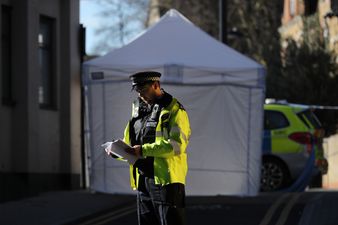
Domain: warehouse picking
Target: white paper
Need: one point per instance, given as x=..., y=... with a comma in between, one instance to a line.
x=118, y=148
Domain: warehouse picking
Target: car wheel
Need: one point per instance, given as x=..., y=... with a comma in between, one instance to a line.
x=275, y=175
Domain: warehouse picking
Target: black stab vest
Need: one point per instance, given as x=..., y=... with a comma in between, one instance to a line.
x=142, y=130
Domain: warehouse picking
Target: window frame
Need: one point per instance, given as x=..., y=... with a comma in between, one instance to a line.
x=334, y=6
x=310, y=7
x=51, y=75
x=309, y=119
x=7, y=97
x=266, y=127
x=293, y=7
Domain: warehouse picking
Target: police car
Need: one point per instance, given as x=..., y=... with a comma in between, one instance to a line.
x=291, y=133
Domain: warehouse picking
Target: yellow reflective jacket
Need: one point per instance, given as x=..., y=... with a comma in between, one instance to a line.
x=169, y=148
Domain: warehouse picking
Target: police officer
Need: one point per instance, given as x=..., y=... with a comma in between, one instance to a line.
x=159, y=132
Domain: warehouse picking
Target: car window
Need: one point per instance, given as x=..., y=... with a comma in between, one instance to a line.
x=307, y=117
x=274, y=120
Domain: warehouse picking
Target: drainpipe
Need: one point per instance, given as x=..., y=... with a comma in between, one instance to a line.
x=82, y=43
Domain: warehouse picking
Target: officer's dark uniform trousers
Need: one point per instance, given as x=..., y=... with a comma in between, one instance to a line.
x=156, y=204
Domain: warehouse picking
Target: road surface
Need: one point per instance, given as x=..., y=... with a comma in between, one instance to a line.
x=306, y=208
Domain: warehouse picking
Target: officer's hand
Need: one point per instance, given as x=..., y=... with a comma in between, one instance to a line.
x=107, y=147
x=135, y=150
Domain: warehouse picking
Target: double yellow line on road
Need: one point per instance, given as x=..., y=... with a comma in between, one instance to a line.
x=283, y=216
x=110, y=216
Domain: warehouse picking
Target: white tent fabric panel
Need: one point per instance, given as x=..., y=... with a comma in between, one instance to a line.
x=109, y=113
x=221, y=117
x=218, y=148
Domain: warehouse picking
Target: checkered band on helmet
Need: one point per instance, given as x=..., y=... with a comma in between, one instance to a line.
x=144, y=77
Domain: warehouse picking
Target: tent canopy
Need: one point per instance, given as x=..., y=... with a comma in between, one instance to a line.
x=175, y=41
x=221, y=89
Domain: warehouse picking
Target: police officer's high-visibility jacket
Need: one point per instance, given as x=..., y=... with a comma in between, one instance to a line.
x=169, y=149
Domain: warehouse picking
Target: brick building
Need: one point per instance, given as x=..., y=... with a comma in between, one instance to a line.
x=327, y=11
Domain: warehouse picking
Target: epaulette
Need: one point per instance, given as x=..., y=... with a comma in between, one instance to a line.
x=180, y=106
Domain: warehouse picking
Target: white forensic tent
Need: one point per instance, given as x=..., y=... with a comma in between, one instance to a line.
x=221, y=89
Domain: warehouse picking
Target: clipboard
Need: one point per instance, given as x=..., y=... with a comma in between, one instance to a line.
x=118, y=148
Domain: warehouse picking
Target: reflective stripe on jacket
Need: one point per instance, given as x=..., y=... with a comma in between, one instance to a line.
x=169, y=148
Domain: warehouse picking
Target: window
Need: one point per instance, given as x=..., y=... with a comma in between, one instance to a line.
x=173, y=73
x=334, y=6
x=292, y=7
x=47, y=86
x=6, y=56
x=307, y=117
x=310, y=7
x=274, y=120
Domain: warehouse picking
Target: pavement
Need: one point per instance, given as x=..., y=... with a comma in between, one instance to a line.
x=61, y=207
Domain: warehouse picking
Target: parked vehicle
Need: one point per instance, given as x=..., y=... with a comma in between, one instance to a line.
x=291, y=133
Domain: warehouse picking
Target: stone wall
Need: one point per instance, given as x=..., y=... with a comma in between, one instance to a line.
x=330, y=180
